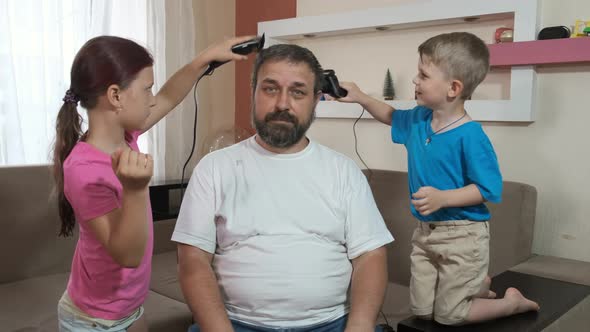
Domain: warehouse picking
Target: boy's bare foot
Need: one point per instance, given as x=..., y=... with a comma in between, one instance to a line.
x=485, y=292
x=521, y=303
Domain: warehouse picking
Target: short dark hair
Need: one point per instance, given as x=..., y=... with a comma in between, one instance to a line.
x=293, y=54
x=461, y=55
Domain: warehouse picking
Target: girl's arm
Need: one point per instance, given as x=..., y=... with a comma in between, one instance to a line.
x=179, y=85
x=124, y=231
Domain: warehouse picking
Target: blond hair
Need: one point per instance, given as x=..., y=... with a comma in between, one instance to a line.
x=461, y=55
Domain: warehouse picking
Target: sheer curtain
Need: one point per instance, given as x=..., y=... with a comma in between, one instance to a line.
x=38, y=41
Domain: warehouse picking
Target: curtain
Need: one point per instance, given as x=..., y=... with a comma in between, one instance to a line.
x=38, y=41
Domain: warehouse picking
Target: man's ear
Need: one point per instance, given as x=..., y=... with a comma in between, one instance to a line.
x=114, y=96
x=455, y=89
x=317, y=97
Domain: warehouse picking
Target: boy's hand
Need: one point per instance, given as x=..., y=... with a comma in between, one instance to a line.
x=134, y=169
x=221, y=51
x=428, y=200
x=355, y=95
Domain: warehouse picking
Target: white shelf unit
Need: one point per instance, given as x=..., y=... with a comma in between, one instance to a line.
x=519, y=108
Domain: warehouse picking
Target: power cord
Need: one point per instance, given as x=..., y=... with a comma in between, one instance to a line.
x=356, y=145
x=194, y=138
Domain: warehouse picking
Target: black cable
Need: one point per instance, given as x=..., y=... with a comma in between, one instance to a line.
x=385, y=318
x=356, y=144
x=194, y=138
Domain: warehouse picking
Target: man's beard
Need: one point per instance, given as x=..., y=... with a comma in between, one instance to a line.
x=281, y=135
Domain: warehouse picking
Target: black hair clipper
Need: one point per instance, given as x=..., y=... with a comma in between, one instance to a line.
x=331, y=86
x=247, y=47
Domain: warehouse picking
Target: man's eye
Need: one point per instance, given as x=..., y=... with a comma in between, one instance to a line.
x=270, y=89
x=298, y=93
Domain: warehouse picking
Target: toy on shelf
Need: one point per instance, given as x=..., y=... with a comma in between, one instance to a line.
x=388, y=90
x=504, y=35
x=579, y=28
x=555, y=32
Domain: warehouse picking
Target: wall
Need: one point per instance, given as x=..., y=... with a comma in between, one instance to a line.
x=250, y=13
x=548, y=153
x=214, y=21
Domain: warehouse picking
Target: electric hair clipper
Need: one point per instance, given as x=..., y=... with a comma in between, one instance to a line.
x=247, y=47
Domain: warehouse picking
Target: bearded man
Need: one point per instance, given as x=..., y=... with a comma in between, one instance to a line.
x=278, y=232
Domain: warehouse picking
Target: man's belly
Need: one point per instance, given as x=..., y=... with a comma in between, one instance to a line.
x=270, y=280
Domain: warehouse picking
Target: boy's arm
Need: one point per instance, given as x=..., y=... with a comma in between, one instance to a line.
x=179, y=85
x=428, y=200
x=201, y=290
x=378, y=109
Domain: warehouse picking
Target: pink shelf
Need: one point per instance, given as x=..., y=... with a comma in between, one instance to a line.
x=539, y=52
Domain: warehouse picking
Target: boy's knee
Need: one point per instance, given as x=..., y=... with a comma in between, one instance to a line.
x=452, y=315
x=423, y=313
x=425, y=317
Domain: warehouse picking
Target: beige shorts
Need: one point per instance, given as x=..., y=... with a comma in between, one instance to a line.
x=73, y=319
x=449, y=263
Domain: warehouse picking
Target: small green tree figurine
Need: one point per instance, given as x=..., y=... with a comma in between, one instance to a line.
x=388, y=91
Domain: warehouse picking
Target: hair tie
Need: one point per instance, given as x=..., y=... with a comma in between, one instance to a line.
x=71, y=97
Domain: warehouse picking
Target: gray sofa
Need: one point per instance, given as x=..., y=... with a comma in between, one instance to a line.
x=35, y=262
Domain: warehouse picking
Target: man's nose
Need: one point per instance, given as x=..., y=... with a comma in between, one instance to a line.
x=283, y=102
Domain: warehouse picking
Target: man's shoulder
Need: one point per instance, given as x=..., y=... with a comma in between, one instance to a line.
x=335, y=156
x=228, y=151
x=339, y=162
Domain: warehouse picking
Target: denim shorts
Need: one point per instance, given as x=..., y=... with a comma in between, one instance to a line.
x=72, y=319
x=337, y=325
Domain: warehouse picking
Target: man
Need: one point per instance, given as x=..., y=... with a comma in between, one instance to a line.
x=274, y=230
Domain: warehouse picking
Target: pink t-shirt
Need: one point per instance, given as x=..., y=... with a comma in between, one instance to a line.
x=98, y=285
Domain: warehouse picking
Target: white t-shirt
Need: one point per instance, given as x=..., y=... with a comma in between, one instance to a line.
x=283, y=228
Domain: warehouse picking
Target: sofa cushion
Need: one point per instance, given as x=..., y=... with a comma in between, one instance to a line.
x=165, y=276
x=512, y=226
x=31, y=305
x=30, y=224
x=162, y=236
x=165, y=314
x=556, y=268
x=396, y=305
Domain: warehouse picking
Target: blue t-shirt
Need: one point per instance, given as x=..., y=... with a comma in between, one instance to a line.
x=453, y=159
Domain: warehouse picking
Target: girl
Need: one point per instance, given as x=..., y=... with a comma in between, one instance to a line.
x=102, y=178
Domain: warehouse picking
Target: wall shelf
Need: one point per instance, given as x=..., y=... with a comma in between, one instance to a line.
x=521, y=105
x=540, y=52
x=481, y=110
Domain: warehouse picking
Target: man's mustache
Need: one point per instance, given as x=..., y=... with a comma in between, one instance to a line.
x=281, y=116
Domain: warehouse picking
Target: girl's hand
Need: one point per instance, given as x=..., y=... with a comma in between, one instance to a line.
x=428, y=200
x=134, y=169
x=221, y=51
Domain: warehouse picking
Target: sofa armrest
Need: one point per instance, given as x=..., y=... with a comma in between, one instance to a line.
x=556, y=268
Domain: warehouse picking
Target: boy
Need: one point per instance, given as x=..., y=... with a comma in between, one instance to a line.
x=452, y=171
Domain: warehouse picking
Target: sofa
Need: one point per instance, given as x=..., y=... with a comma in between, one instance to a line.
x=35, y=262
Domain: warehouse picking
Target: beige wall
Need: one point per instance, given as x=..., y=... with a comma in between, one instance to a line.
x=550, y=153
x=214, y=21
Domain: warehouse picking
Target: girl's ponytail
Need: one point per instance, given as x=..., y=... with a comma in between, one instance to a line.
x=68, y=132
